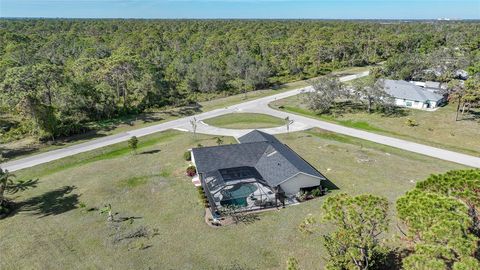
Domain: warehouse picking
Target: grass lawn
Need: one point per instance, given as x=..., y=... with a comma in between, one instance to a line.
x=29, y=146
x=245, y=120
x=55, y=230
x=437, y=128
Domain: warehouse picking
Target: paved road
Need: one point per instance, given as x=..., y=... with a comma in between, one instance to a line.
x=259, y=106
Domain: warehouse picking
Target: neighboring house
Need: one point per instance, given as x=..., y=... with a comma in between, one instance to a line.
x=415, y=95
x=257, y=173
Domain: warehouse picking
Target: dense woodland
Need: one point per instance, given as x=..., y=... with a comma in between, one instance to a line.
x=56, y=76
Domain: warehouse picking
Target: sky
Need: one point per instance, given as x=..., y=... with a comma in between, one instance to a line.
x=264, y=9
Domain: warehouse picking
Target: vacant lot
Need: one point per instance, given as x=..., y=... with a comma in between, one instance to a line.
x=58, y=228
x=245, y=120
x=437, y=128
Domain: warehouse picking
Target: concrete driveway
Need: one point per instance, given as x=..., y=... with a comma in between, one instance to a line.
x=257, y=106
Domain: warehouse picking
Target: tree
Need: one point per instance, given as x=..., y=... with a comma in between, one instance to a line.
x=49, y=78
x=463, y=185
x=438, y=228
x=248, y=73
x=289, y=122
x=457, y=92
x=359, y=221
x=193, y=123
x=240, y=66
x=472, y=92
x=121, y=73
x=371, y=92
x=205, y=76
x=133, y=144
x=325, y=91
x=5, y=182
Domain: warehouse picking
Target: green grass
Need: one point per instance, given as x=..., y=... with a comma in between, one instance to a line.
x=152, y=186
x=135, y=181
x=245, y=120
x=438, y=128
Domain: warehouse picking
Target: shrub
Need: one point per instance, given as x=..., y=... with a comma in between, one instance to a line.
x=411, y=122
x=317, y=192
x=133, y=143
x=306, y=226
x=292, y=264
x=302, y=196
x=191, y=170
x=201, y=196
x=187, y=156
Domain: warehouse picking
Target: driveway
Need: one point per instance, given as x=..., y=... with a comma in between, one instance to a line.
x=258, y=106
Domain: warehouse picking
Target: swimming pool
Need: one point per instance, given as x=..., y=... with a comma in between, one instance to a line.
x=237, y=195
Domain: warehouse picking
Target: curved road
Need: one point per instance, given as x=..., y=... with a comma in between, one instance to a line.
x=259, y=106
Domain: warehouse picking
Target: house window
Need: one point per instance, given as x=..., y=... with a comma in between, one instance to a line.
x=409, y=104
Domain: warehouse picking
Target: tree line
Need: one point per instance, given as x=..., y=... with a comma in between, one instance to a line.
x=438, y=225
x=59, y=75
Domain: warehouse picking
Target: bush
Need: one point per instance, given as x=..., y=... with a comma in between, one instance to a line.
x=187, y=156
x=411, y=122
x=201, y=196
x=292, y=264
x=317, y=192
x=6, y=209
x=133, y=143
x=191, y=170
x=302, y=196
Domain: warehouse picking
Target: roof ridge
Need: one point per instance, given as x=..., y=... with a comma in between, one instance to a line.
x=227, y=145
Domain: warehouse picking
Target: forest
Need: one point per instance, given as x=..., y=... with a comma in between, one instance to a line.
x=59, y=75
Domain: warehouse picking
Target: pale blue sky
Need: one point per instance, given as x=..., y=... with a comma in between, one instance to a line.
x=316, y=9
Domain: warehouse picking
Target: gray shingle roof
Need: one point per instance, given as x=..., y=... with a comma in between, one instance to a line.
x=275, y=161
x=257, y=136
x=409, y=91
x=228, y=156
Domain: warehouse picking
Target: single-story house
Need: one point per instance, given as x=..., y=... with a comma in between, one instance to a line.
x=414, y=95
x=257, y=173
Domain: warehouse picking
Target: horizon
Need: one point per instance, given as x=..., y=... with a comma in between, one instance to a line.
x=237, y=9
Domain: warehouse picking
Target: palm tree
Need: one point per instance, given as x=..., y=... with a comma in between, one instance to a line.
x=5, y=181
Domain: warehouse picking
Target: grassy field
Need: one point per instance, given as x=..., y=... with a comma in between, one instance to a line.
x=437, y=128
x=54, y=228
x=28, y=146
x=245, y=120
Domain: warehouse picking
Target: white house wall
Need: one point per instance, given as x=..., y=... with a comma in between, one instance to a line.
x=293, y=185
x=415, y=105
x=192, y=158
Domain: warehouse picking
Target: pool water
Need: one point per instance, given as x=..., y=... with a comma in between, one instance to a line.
x=237, y=196
x=241, y=202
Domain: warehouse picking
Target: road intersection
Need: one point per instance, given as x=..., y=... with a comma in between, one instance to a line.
x=256, y=106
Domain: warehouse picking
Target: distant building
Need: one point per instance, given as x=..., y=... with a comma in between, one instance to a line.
x=416, y=95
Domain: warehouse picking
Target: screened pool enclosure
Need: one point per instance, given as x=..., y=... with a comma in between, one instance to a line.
x=242, y=188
